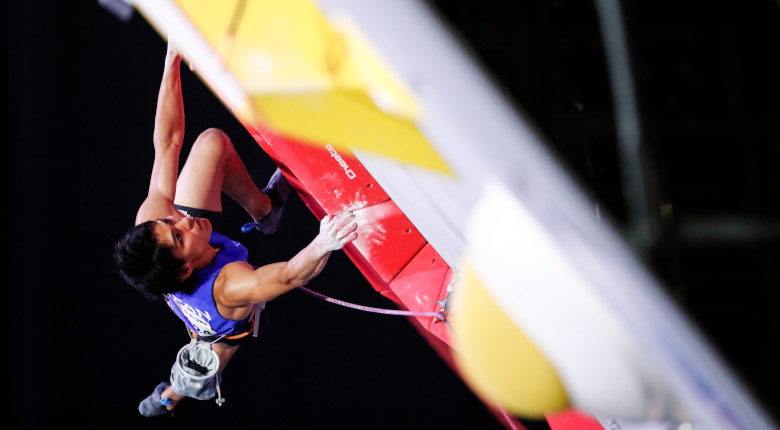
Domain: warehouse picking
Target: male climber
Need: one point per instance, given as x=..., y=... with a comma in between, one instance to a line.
x=174, y=252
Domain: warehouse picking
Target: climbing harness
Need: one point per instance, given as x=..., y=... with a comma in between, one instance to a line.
x=196, y=371
x=437, y=316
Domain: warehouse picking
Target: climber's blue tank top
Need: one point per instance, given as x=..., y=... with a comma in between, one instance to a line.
x=199, y=309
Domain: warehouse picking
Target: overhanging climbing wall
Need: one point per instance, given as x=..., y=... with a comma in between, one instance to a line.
x=390, y=252
x=379, y=110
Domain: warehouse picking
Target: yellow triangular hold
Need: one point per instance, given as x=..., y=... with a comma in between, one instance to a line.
x=498, y=360
x=313, y=79
x=349, y=119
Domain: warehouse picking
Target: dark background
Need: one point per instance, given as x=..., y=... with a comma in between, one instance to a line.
x=82, y=348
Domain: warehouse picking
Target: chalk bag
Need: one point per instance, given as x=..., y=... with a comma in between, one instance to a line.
x=196, y=372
